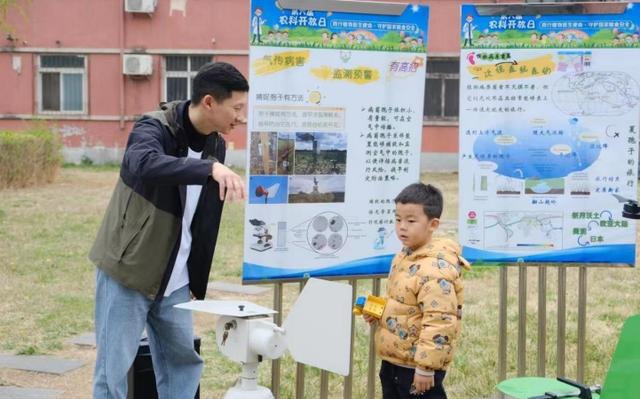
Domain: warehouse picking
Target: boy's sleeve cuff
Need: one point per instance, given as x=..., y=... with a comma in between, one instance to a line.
x=426, y=373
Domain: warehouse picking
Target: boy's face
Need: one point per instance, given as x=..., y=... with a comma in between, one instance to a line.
x=413, y=227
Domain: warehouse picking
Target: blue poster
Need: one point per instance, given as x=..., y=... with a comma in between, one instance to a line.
x=272, y=25
x=550, y=30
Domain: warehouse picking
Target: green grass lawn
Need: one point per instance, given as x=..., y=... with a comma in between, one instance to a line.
x=47, y=285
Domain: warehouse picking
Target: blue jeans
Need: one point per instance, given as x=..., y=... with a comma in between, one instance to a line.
x=121, y=315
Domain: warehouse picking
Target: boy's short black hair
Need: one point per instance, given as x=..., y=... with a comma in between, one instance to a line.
x=422, y=194
x=217, y=79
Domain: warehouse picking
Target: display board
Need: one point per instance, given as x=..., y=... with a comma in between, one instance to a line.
x=334, y=134
x=549, y=112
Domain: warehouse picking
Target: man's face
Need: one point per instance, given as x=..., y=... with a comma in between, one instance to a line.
x=224, y=116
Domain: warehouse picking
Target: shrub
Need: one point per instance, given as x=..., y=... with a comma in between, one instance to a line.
x=28, y=158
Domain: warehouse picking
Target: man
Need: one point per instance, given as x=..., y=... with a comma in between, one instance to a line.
x=156, y=242
x=467, y=29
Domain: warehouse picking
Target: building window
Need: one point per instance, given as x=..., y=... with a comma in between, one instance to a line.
x=62, y=84
x=179, y=72
x=441, y=99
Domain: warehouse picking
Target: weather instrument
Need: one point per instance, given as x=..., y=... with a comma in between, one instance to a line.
x=317, y=332
x=630, y=209
x=267, y=192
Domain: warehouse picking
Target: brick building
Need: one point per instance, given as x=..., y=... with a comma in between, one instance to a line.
x=88, y=69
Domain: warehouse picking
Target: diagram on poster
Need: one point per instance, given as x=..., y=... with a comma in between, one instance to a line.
x=325, y=233
x=518, y=231
x=596, y=94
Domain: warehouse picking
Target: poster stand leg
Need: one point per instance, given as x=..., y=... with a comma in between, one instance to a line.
x=542, y=320
x=522, y=320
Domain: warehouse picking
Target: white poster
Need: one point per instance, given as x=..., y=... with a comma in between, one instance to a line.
x=334, y=134
x=549, y=113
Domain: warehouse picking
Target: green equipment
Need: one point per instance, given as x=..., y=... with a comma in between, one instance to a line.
x=621, y=382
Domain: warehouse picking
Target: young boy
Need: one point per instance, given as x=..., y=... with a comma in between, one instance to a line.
x=418, y=330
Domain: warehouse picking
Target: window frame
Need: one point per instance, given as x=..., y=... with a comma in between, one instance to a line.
x=62, y=70
x=442, y=120
x=189, y=74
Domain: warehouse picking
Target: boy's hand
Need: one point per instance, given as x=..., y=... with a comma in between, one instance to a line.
x=369, y=319
x=421, y=384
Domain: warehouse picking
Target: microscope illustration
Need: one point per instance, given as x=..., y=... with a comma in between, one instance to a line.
x=262, y=234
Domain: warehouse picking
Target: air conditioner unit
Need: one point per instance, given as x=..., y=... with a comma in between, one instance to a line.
x=137, y=64
x=146, y=6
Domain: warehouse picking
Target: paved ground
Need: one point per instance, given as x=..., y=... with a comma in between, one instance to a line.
x=68, y=373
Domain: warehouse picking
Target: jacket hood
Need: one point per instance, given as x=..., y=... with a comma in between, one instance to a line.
x=169, y=115
x=440, y=248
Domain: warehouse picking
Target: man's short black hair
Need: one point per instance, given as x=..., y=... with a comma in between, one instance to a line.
x=217, y=79
x=422, y=194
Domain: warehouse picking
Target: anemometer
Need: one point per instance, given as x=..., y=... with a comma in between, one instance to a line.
x=316, y=332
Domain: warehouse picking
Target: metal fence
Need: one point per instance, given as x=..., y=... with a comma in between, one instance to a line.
x=522, y=286
x=542, y=320
x=324, y=375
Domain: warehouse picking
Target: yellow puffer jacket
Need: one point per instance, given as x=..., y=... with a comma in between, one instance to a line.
x=421, y=320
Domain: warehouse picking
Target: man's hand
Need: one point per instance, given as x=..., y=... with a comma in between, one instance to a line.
x=228, y=181
x=422, y=383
